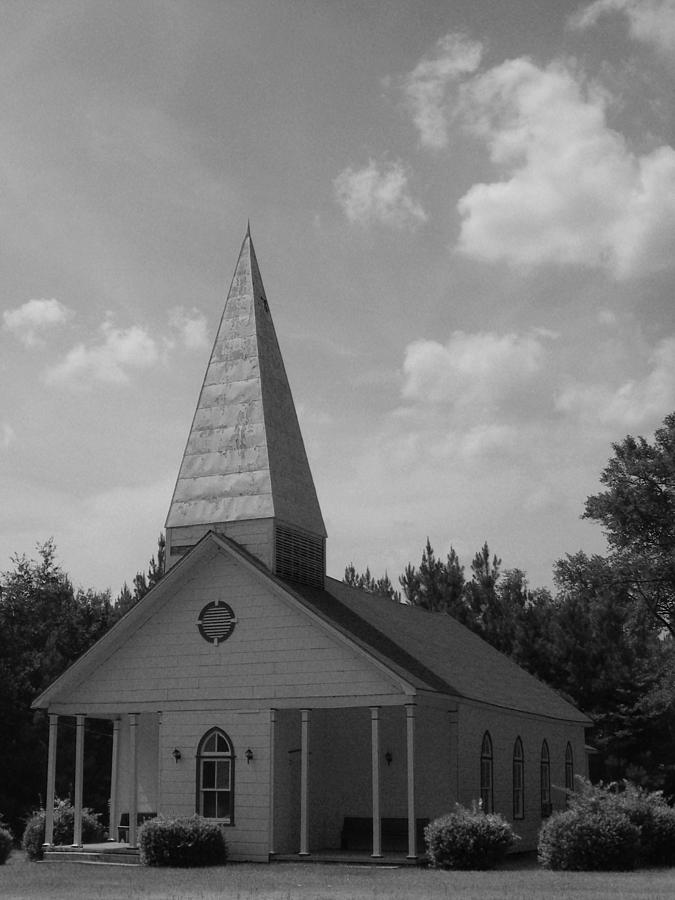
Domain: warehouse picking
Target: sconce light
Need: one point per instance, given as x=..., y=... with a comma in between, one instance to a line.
x=248, y=755
x=388, y=757
x=177, y=754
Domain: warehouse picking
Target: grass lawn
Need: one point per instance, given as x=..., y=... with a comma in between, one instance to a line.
x=21, y=880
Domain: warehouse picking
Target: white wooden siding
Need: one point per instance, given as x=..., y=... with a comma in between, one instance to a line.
x=275, y=652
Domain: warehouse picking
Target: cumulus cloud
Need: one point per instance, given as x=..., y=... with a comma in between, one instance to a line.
x=7, y=435
x=474, y=372
x=635, y=402
x=30, y=321
x=375, y=194
x=116, y=353
x=190, y=327
x=649, y=21
x=426, y=87
x=109, y=360
x=572, y=192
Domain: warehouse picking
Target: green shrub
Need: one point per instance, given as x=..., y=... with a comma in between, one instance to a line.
x=468, y=839
x=594, y=805
x=654, y=818
x=657, y=841
x=64, y=822
x=6, y=843
x=189, y=841
x=589, y=840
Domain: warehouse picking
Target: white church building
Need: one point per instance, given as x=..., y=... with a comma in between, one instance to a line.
x=305, y=716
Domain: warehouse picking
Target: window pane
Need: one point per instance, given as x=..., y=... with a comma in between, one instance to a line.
x=209, y=804
x=223, y=773
x=208, y=773
x=223, y=804
x=221, y=744
x=210, y=744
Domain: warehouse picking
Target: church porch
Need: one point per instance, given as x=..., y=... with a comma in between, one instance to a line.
x=359, y=779
x=319, y=782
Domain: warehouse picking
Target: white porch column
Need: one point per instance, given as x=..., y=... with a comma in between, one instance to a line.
x=79, y=780
x=375, y=761
x=273, y=729
x=51, y=780
x=114, y=767
x=133, y=776
x=410, y=759
x=304, y=783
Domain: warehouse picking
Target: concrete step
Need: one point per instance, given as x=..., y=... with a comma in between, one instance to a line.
x=115, y=857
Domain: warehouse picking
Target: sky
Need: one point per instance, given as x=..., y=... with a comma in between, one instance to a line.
x=464, y=216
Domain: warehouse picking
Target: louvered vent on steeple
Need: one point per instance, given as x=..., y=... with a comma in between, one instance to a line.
x=300, y=556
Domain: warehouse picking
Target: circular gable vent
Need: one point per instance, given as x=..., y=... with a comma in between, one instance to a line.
x=216, y=622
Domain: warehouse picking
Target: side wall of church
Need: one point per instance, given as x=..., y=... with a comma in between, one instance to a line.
x=504, y=728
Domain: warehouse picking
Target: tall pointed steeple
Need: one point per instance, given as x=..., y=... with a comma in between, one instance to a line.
x=245, y=471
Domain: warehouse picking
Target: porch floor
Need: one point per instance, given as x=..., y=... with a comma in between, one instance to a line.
x=349, y=857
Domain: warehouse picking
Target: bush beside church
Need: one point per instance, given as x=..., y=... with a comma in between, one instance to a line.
x=609, y=828
x=183, y=841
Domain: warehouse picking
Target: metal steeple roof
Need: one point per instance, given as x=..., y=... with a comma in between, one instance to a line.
x=245, y=457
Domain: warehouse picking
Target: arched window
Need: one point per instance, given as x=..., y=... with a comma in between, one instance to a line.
x=569, y=768
x=486, y=789
x=545, y=780
x=215, y=777
x=518, y=780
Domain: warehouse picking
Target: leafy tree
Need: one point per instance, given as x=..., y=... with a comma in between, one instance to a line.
x=44, y=626
x=607, y=657
x=637, y=512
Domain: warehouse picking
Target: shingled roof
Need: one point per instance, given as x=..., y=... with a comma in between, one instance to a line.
x=437, y=652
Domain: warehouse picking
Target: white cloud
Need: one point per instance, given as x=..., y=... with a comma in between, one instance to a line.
x=474, y=372
x=30, y=321
x=426, y=87
x=118, y=351
x=190, y=326
x=633, y=403
x=572, y=192
x=372, y=195
x=7, y=435
x=649, y=21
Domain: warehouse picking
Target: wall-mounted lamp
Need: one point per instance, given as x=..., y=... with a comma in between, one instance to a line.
x=388, y=757
x=177, y=754
x=248, y=755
